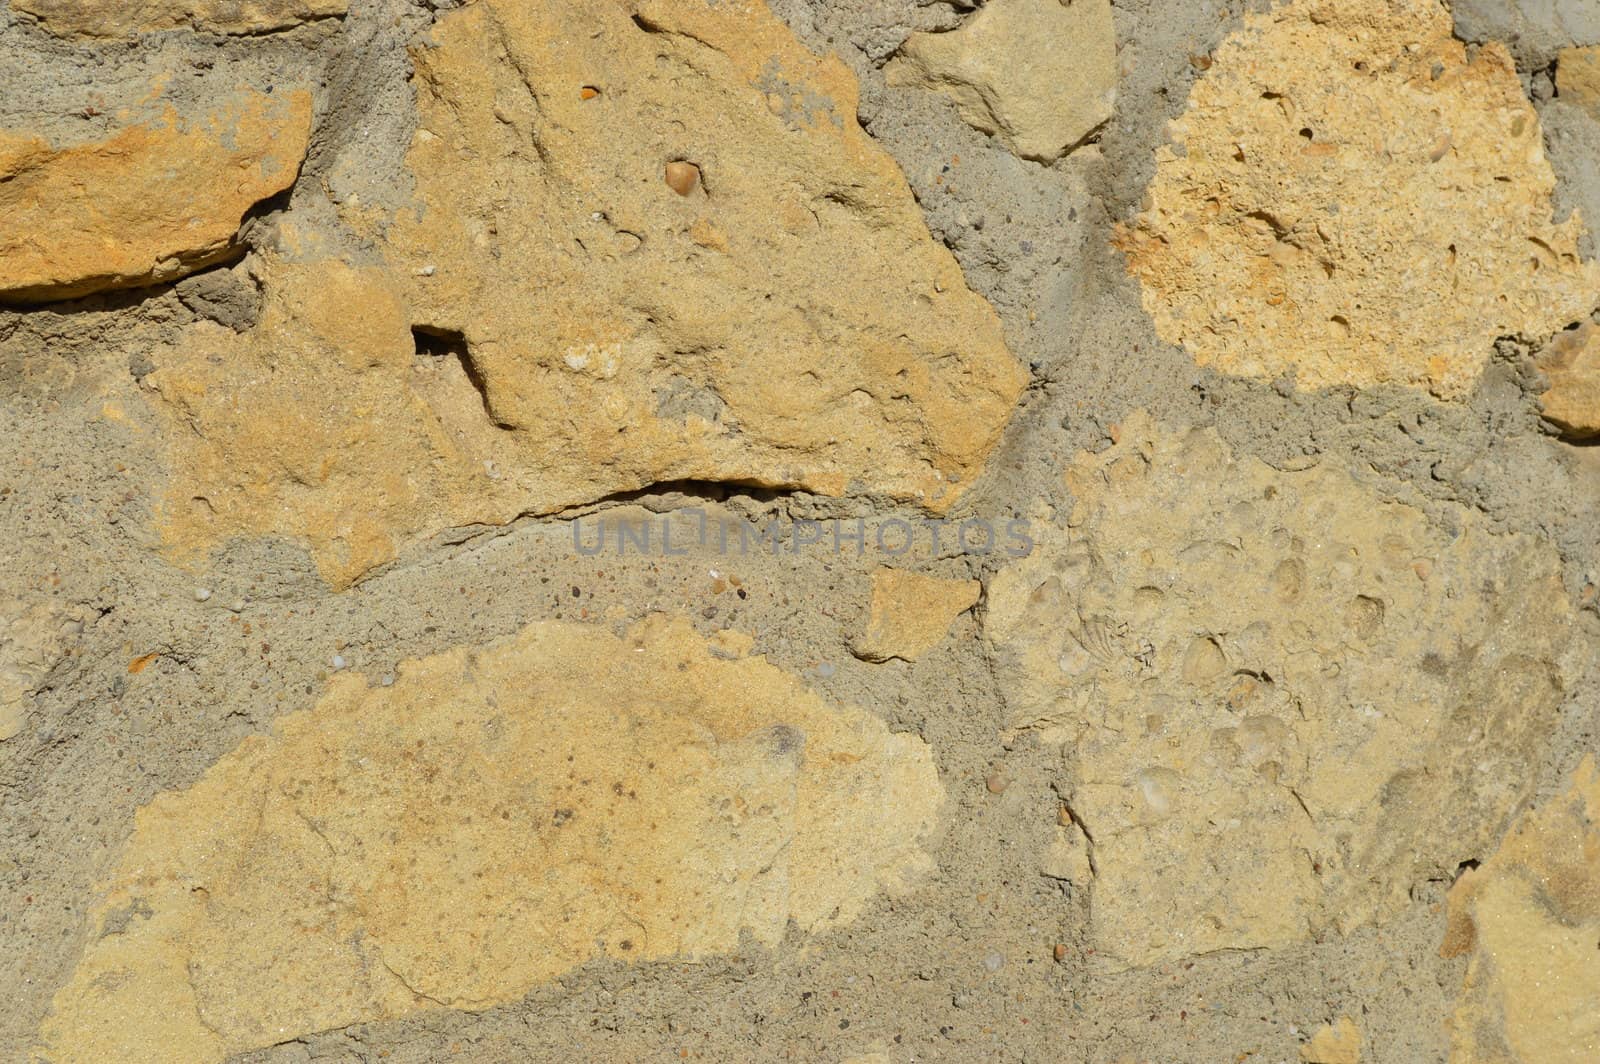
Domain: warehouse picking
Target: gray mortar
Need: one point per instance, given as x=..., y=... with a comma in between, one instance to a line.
x=909, y=977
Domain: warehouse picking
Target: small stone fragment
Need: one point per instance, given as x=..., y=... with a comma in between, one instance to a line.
x=682, y=177
x=1572, y=363
x=97, y=18
x=1578, y=77
x=1038, y=74
x=1356, y=201
x=1530, y=919
x=1337, y=1043
x=1068, y=857
x=911, y=613
x=149, y=204
x=498, y=816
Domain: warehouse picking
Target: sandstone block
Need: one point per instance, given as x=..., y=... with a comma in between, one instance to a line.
x=911, y=613
x=1578, y=77
x=1041, y=75
x=1351, y=200
x=1284, y=699
x=496, y=817
x=557, y=323
x=1572, y=363
x=151, y=203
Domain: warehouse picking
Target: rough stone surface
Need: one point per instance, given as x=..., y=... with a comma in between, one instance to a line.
x=1572, y=363
x=33, y=638
x=1536, y=29
x=911, y=613
x=323, y=426
x=1039, y=74
x=494, y=818
x=151, y=203
x=1351, y=200
x=1287, y=700
x=1578, y=77
x=788, y=323
x=1335, y=1043
x=1530, y=920
x=97, y=18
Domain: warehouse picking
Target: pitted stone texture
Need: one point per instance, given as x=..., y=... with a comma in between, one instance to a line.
x=123, y=18
x=34, y=636
x=495, y=818
x=1353, y=201
x=323, y=425
x=911, y=613
x=1287, y=699
x=788, y=323
x=1530, y=918
x=1041, y=75
x=149, y=204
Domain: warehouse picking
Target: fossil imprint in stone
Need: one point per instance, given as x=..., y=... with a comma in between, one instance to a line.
x=1350, y=199
x=496, y=817
x=1286, y=698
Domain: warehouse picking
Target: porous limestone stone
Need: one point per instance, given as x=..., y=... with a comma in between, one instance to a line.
x=498, y=816
x=1572, y=363
x=581, y=328
x=1335, y=1043
x=911, y=613
x=1284, y=698
x=33, y=638
x=1041, y=75
x=1530, y=919
x=1348, y=198
x=122, y=18
x=1578, y=77
x=150, y=203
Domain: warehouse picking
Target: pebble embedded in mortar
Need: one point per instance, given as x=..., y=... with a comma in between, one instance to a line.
x=682, y=177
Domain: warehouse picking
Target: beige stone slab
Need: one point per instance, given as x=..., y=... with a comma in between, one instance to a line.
x=498, y=816
x=1284, y=699
x=1350, y=199
x=151, y=203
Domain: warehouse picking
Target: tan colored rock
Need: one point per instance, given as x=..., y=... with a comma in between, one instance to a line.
x=911, y=613
x=149, y=204
x=323, y=425
x=33, y=639
x=123, y=18
x=1068, y=857
x=1578, y=77
x=1337, y=1043
x=789, y=323
x=1041, y=75
x=1530, y=918
x=1353, y=201
x=1572, y=363
x=1285, y=699
x=495, y=818
x=586, y=329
